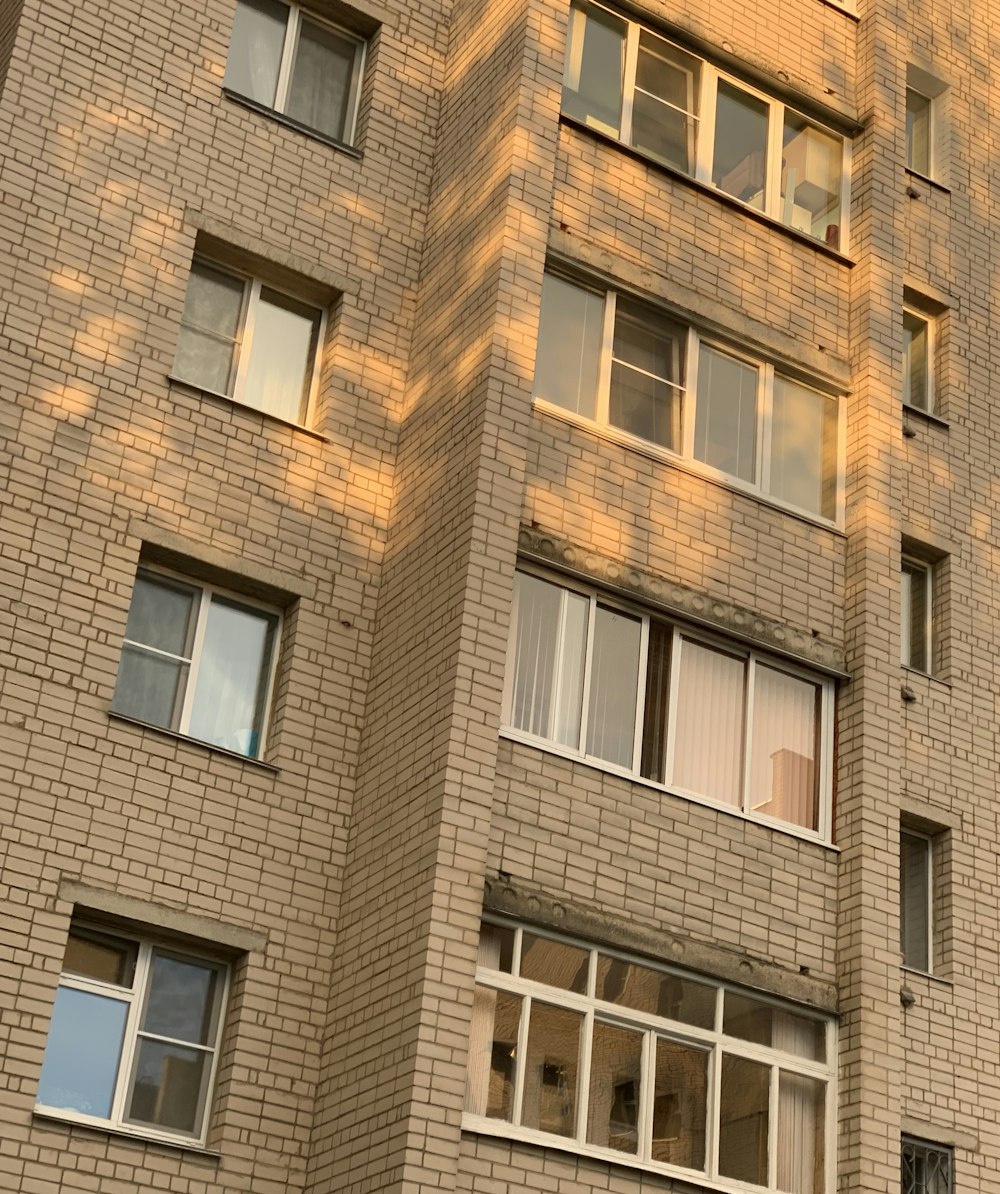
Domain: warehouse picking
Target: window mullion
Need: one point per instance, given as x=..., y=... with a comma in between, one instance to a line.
x=287, y=57
x=522, y=1053
x=647, y=1095
x=628, y=81
x=130, y=1035
x=706, y=130
x=583, y=1086
x=587, y=673
x=772, y=185
x=607, y=353
x=204, y=600
x=245, y=340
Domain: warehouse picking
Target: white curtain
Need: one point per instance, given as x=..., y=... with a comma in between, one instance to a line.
x=548, y=660
x=801, y=1131
x=709, y=723
x=614, y=685
x=783, y=747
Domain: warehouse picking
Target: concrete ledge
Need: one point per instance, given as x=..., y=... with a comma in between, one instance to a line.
x=938, y=1134
x=732, y=620
x=528, y=902
x=205, y=562
x=157, y=916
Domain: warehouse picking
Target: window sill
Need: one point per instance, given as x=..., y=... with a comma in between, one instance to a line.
x=915, y=671
x=263, y=414
x=707, y=189
x=48, y=1118
x=297, y=126
x=847, y=9
x=682, y=463
x=173, y=736
x=550, y=748
x=926, y=416
x=918, y=177
x=911, y=972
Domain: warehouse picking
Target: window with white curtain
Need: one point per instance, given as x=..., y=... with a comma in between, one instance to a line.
x=199, y=661
x=616, y=1056
x=610, y=360
x=632, y=84
x=706, y=718
x=286, y=60
x=249, y=342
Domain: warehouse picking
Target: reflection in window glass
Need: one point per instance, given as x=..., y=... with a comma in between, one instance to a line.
x=664, y=123
x=614, y=685
x=743, y=1120
x=725, y=430
x=811, y=173
x=783, y=772
x=916, y=361
x=633, y=985
x=646, y=366
x=615, y=1088
x=496, y=1019
x=168, y=1086
x=595, y=59
x=766, y=1024
x=740, y=165
x=546, y=961
x=81, y=1057
x=551, y=1068
x=804, y=448
x=680, y=1104
x=107, y=959
x=570, y=332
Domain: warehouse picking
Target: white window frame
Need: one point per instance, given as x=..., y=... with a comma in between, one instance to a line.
x=753, y=659
x=712, y=1040
x=687, y=394
x=205, y=592
x=930, y=325
x=136, y=997
x=929, y=867
x=296, y=15
x=243, y=340
x=704, y=117
x=910, y=565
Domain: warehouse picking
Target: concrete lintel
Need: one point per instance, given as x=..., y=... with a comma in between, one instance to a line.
x=206, y=562
x=157, y=916
x=922, y=814
x=714, y=612
x=528, y=902
x=938, y=1133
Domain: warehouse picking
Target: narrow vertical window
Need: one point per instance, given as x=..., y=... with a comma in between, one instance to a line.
x=918, y=132
x=917, y=390
x=915, y=899
x=595, y=62
x=916, y=614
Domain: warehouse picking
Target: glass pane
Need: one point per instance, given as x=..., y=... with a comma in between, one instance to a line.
x=168, y=1087
x=496, y=1018
x=320, y=91
x=645, y=375
x=630, y=984
x=282, y=355
x=553, y=962
x=82, y=1053
x=926, y=1168
x=708, y=747
x=231, y=684
x=161, y=615
x=205, y=361
x=740, y=161
x=784, y=778
x=801, y=1134
x=615, y=1088
x=182, y=1000
x=811, y=169
x=570, y=331
x=551, y=1069
x=107, y=959
x=725, y=426
x=150, y=688
x=680, y=1101
x=915, y=900
x=916, y=361
x=915, y=615
x=595, y=59
x=918, y=132
x=663, y=106
x=804, y=448
x=214, y=301
x=551, y=629
x=614, y=686
x=743, y=1120
x=496, y=948
x=255, y=49
x=654, y=730
x=764, y=1024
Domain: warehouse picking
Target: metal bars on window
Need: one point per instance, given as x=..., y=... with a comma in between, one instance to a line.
x=926, y=1168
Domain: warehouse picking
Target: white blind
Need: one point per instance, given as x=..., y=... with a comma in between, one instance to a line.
x=709, y=727
x=783, y=747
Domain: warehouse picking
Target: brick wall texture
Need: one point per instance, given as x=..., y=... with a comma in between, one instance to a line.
x=359, y=846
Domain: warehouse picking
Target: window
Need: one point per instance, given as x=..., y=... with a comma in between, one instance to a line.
x=702, y=717
x=621, y=1058
x=134, y=1037
x=926, y=1167
x=198, y=661
x=614, y=361
x=916, y=894
x=919, y=136
x=248, y=342
x=287, y=61
x=631, y=84
x=918, y=350
x=917, y=614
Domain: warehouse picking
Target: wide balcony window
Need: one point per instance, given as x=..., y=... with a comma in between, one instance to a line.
x=616, y=1057
x=608, y=359
x=631, y=84
x=699, y=716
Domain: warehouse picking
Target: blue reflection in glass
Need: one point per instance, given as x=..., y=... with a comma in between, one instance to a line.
x=82, y=1055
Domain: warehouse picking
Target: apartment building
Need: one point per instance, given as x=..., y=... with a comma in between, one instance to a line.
x=497, y=530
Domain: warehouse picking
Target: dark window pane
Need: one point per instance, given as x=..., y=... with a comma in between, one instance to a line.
x=630, y=984
x=918, y=132
x=764, y=1024
x=743, y=1120
x=182, y=1000
x=725, y=429
x=740, y=164
x=255, y=49
x=150, y=688
x=915, y=900
x=496, y=948
x=320, y=91
x=107, y=959
x=168, y=1087
x=551, y=1069
x=82, y=1053
x=496, y=1018
x=161, y=615
x=615, y=1088
x=646, y=374
x=595, y=60
x=654, y=730
x=552, y=962
x=663, y=120
x=916, y=361
x=680, y=1103
x=570, y=331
